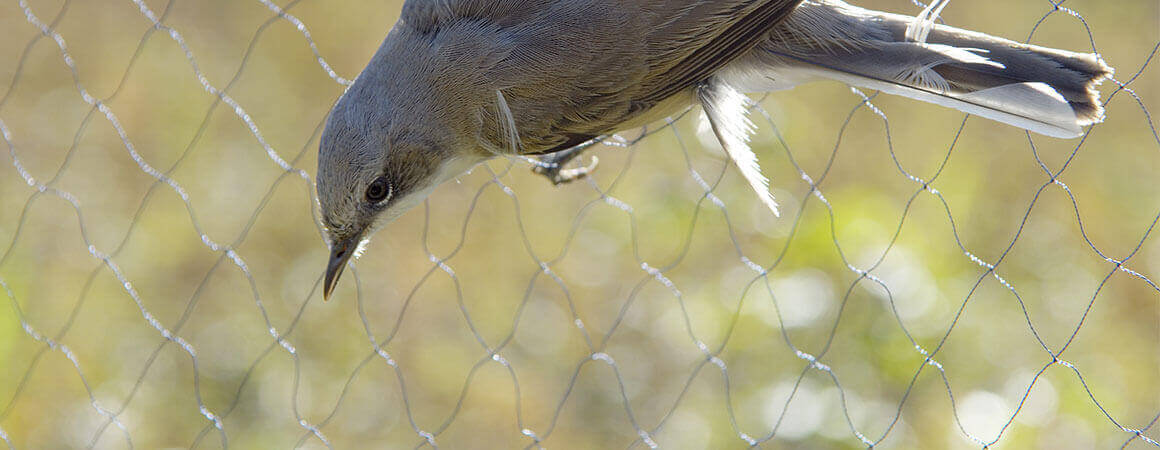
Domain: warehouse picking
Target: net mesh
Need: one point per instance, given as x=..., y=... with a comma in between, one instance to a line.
x=934, y=280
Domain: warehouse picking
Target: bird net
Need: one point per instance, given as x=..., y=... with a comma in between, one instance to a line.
x=934, y=280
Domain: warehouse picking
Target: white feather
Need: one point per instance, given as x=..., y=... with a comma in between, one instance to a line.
x=923, y=75
x=728, y=113
x=507, y=124
x=1032, y=106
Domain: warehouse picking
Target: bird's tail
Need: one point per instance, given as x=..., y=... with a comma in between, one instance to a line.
x=1048, y=91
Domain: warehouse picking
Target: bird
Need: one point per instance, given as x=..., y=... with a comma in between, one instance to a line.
x=458, y=82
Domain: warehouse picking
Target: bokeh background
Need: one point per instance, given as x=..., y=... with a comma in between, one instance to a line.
x=160, y=258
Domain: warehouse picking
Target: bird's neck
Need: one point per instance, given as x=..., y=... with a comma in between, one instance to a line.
x=438, y=78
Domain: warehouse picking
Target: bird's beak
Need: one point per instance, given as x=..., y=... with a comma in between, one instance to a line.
x=340, y=253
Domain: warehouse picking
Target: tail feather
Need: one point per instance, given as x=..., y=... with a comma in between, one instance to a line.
x=1075, y=76
x=1048, y=91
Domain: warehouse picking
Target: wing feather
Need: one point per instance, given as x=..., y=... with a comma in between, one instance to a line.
x=575, y=70
x=689, y=41
x=712, y=34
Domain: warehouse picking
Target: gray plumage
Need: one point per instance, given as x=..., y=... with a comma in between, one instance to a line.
x=457, y=82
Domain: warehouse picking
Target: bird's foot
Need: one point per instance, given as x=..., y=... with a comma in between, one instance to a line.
x=559, y=175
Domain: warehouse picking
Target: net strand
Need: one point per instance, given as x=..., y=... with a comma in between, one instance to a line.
x=541, y=267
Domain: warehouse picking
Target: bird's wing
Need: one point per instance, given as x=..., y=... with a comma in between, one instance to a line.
x=699, y=37
x=657, y=49
x=574, y=69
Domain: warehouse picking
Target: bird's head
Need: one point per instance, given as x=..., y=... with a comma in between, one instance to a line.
x=419, y=114
x=381, y=154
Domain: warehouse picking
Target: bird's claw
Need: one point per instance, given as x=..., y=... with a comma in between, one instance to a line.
x=558, y=175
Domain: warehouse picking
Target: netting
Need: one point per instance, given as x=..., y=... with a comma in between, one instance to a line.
x=934, y=280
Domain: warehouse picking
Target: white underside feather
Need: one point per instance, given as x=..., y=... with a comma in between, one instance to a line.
x=728, y=113
x=508, y=131
x=1034, y=107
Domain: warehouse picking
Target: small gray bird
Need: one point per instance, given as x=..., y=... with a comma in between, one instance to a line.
x=457, y=82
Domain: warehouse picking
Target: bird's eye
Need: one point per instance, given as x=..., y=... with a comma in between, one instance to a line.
x=379, y=190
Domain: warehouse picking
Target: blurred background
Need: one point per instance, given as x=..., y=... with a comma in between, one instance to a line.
x=160, y=258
